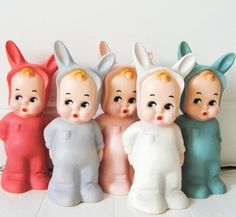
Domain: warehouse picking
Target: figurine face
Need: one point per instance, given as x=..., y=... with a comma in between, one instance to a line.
x=203, y=96
x=159, y=99
x=121, y=99
x=27, y=94
x=77, y=98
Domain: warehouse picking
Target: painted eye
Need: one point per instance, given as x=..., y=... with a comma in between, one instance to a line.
x=212, y=103
x=84, y=104
x=117, y=98
x=18, y=97
x=197, y=101
x=33, y=99
x=151, y=104
x=168, y=106
x=68, y=102
x=132, y=100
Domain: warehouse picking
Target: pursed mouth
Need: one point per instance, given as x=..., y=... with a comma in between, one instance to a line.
x=75, y=115
x=159, y=118
x=24, y=110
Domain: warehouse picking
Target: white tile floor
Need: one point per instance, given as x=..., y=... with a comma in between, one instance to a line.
x=36, y=204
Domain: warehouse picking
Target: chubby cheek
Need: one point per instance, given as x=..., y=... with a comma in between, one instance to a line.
x=132, y=109
x=35, y=108
x=148, y=115
x=169, y=117
x=64, y=111
x=15, y=106
x=113, y=108
x=214, y=111
x=86, y=114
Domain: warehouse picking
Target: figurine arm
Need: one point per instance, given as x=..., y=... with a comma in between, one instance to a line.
x=180, y=144
x=3, y=129
x=49, y=134
x=99, y=140
x=129, y=137
x=218, y=133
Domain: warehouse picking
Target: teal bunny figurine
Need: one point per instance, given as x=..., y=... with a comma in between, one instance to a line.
x=200, y=103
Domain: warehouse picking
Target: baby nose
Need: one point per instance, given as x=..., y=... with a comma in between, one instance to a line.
x=125, y=104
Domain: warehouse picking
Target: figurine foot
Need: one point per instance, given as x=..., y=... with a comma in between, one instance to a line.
x=148, y=201
x=120, y=187
x=40, y=181
x=63, y=197
x=216, y=186
x=196, y=191
x=15, y=183
x=176, y=199
x=91, y=193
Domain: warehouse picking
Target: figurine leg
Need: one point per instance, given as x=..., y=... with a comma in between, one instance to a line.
x=215, y=184
x=194, y=180
x=39, y=172
x=90, y=190
x=15, y=177
x=114, y=175
x=176, y=199
x=147, y=193
x=63, y=188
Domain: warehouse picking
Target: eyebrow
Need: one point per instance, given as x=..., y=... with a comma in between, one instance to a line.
x=86, y=94
x=152, y=94
x=134, y=91
x=171, y=96
x=67, y=93
x=17, y=89
x=34, y=91
x=118, y=90
x=215, y=94
x=199, y=93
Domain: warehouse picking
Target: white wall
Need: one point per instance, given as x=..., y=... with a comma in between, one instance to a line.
x=209, y=27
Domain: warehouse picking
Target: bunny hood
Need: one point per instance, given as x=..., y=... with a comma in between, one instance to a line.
x=66, y=64
x=17, y=62
x=218, y=68
x=145, y=68
x=114, y=71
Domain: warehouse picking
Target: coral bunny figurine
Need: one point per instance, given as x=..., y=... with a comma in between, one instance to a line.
x=200, y=104
x=22, y=129
x=119, y=106
x=74, y=139
x=154, y=144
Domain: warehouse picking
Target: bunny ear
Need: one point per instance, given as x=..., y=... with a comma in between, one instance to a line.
x=142, y=59
x=62, y=55
x=104, y=48
x=51, y=64
x=14, y=55
x=185, y=65
x=106, y=64
x=224, y=63
x=183, y=49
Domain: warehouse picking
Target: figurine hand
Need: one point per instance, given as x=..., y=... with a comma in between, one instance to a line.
x=130, y=159
x=100, y=155
x=181, y=156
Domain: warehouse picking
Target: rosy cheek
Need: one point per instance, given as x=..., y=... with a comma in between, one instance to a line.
x=15, y=105
x=86, y=114
x=113, y=108
x=64, y=112
x=132, y=109
x=148, y=114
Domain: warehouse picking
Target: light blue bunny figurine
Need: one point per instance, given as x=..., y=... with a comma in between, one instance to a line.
x=74, y=139
x=200, y=104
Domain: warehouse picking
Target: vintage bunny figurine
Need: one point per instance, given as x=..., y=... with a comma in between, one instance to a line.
x=154, y=144
x=74, y=139
x=119, y=105
x=22, y=129
x=200, y=104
